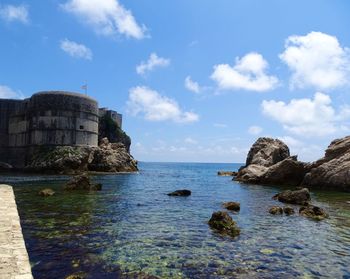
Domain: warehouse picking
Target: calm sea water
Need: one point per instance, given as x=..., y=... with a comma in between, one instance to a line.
x=133, y=226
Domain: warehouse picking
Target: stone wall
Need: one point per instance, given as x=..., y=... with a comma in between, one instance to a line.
x=50, y=118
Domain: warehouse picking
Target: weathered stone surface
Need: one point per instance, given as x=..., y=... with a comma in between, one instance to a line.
x=251, y=174
x=276, y=210
x=182, y=193
x=234, y=206
x=267, y=152
x=108, y=157
x=222, y=222
x=288, y=210
x=81, y=182
x=227, y=173
x=332, y=171
x=46, y=192
x=112, y=157
x=313, y=212
x=14, y=260
x=287, y=172
x=5, y=166
x=301, y=197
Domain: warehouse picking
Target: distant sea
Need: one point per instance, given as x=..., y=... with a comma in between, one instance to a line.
x=132, y=226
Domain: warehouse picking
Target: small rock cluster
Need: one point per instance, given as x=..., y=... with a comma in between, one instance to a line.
x=298, y=197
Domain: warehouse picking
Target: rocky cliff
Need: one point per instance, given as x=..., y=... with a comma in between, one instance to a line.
x=107, y=157
x=269, y=162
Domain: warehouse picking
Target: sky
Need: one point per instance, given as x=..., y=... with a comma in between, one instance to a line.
x=195, y=80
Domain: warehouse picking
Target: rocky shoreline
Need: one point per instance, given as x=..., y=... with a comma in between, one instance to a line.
x=106, y=158
x=269, y=163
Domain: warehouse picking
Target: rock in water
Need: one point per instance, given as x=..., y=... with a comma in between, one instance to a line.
x=267, y=152
x=180, y=193
x=313, y=212
x=46, y=192
x=234, y=206
x=301, y=197
x=82, y=182
x=276, y=210
x=288, y=210
x=227, y=173
x=332, y=171
x=223, y=223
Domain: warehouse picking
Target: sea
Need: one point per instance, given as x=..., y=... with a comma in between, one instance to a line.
x=132, y=228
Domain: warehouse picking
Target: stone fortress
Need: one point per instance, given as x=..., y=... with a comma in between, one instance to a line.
x=49, y=118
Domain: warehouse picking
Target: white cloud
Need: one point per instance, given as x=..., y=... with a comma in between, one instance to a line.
x=107, y=17
x=155, y=107
x=154, y=61
x=8, y=93
x=307, y=117
x=291, y=142
x=190, y=140
x=317, y=60
x=192, y=85
x=76, y=50
x=12, y=13
x=249, y=73
x=255, y=130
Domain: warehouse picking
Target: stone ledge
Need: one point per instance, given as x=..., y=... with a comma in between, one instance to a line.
x=14, y=260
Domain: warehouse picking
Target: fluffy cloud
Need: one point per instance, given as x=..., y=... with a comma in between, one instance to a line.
x=255, y=130
x=249, y=73
x=317, y=60
x=143, y=100
x=192, y=85
x=76, y=50
x=190, y=140
x=7, y=93
x=107, y=17
x=14, y=13
x=307, y=117
x=154, y=61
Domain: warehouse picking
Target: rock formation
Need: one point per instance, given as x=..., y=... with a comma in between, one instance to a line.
x=301, y=197
x=180, y=193
x=69, y=160
x=222, y=222
x=269, y=162
x=313, y=212
x=81, y=182
x=233, y=206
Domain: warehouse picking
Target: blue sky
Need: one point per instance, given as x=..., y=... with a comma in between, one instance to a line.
x=196, y=81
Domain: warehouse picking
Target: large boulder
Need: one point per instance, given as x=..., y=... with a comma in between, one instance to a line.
x=287, y=172
x=233, y=206
x=222, y=222
x=46, y=192
x=332, y=171
x=267, y=152
x=251, y=174
x=301, y=196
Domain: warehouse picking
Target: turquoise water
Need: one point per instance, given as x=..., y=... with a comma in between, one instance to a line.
x=133, y=226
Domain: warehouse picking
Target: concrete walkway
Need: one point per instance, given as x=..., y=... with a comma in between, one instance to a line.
x=14, y=260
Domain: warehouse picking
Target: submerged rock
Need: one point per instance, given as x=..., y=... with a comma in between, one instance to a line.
x=301, y=197
x=222, y=222
x=46, y=192
x=288, y=210
x=313, y=212
x=82, y=182
x=234, y=206
x=182, y=193
x=227, y=173
x=276, y=210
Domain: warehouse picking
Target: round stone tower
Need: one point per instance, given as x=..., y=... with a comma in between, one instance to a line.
x=56, y=118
